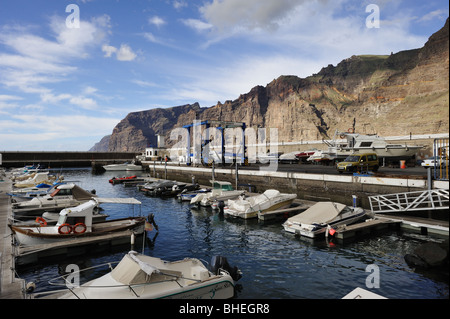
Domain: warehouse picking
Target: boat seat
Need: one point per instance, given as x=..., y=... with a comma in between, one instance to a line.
x=199, y=273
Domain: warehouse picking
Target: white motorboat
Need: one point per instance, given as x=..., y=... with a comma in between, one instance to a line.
x=321, y=217
x=249, y=207
x=139, y=276
x=64, y=195
x=290, y=157
x=123, y=167
x=74, y=223
x=354, y=142
x=222, y=191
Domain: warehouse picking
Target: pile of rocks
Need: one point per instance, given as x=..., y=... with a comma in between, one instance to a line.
x=429, y=255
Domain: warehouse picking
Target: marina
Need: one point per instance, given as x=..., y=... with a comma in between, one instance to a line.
x=257, y=239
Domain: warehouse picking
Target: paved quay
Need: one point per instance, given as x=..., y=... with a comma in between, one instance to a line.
x=10, y=287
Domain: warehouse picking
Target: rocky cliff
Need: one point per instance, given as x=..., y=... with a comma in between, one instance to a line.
x=397, y=94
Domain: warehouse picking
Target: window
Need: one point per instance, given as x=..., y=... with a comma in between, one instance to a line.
x=366, y=144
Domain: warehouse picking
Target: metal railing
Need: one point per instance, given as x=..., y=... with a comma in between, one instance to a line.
x=440, y=153
x=412, y=201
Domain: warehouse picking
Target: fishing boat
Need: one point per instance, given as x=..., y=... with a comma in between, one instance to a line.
x=249, y=207
x=64, y=195
x=73, y=223
x=321, y=217
x=222, y=191
x=138, y=276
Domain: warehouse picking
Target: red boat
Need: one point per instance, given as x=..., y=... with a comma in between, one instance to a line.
x=120, y=180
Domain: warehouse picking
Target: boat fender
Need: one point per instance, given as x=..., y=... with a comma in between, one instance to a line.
x=41, y=221
x=219, y=263
x=65, y=229
x=79, y=228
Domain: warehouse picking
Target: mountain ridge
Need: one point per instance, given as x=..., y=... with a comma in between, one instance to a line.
x=397, y=94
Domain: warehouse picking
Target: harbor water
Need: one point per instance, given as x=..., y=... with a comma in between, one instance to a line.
x=275, y=264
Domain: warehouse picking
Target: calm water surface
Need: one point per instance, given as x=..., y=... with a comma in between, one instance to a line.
x=275, y=265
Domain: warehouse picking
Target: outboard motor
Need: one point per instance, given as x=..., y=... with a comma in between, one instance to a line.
x=221, y=206
x=219, y=262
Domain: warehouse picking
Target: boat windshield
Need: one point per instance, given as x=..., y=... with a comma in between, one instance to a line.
x=61, y=219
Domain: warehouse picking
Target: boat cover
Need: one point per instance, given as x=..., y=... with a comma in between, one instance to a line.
x=80, y=194
x=322, y=212
x=139, y=269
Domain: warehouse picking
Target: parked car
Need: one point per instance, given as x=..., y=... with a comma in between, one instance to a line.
x=435, y=161
x=359, y=162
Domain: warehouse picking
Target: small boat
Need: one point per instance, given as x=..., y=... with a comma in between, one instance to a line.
x=38, y=178
x=187, y=195
x=139, y=276
x=123, y=167
x=321, y=217
x=26, y=194
x=156, y=188
x=221, y=191
x=120, y=180
x=249, y=207
x=290, y=157
x=64, y=195
x=73, y=223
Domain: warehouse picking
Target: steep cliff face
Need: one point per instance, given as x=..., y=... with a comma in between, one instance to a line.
x=139, y=129
x=397, y=94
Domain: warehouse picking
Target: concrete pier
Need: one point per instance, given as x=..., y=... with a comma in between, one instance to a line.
x=10, y=286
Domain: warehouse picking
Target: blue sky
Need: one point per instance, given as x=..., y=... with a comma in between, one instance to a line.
x=64, y=87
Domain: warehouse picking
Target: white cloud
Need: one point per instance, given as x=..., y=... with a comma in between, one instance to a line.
x=109, y=50
x=436, y=14
x=179, y=4
x=124, y=53
x=157, y=21
x=197, y=25
x=36, y=61
x=67, y=133
x=229, y=15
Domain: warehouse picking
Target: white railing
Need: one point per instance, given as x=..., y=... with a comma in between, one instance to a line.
x=411, y=201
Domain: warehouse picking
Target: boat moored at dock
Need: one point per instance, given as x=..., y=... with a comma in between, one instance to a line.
x=323, y=217
x=250, y=207
x=139, y=276
x=74, y=223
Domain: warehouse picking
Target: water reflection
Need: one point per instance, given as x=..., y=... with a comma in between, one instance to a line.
x=275, y=264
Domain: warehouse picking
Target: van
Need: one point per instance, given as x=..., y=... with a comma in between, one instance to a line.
x=359, y=162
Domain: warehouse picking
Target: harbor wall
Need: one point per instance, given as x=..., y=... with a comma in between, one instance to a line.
x=64, y=159
x=315, y=187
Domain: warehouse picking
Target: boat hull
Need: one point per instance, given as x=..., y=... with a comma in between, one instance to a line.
x=38, y=235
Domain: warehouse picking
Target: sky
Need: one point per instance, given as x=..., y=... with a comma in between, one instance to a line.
x=71, y=70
